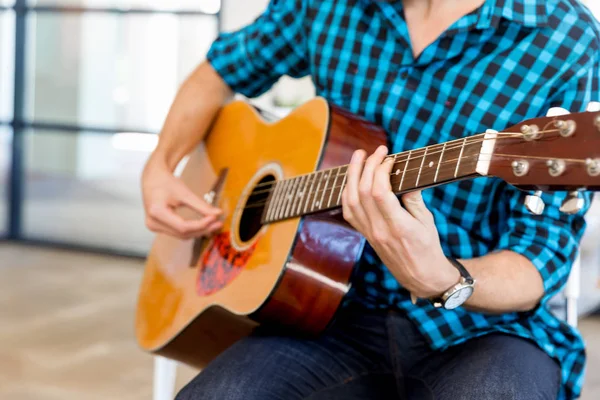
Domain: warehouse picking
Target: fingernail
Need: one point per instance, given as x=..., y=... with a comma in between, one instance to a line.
x=354, y=156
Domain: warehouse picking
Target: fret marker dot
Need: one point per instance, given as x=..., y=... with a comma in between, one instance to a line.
x=397, y=172
x=430, y=164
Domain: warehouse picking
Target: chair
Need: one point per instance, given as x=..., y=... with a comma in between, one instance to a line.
x=572, y=292
x=165, y=370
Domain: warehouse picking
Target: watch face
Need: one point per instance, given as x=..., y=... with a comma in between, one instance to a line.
x=458, y=298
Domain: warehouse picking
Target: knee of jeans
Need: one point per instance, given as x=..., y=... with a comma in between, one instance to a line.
x=204, y=387
x=519, y=386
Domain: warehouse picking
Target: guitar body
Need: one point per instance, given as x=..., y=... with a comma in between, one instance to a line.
x=198, y=297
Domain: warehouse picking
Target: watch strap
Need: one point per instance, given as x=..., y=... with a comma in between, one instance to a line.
x=462, y=270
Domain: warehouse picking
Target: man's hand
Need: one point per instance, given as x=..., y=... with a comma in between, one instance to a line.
x=405, y=238
x=196, y=105
x=163, y=193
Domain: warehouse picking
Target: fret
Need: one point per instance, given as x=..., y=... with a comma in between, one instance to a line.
x=312, y=208
x=275, y=201
x=320, y=204
x=333, y=186
x=413, y=169
x=282, y=198
x=272, y=202
x=291, y=197
x=430, y=166
x=404, y=171
x=437, y=170
x=470, y=156
x=305, y=193
x=299, y=195
x=462, y=149
x=342, y=186
x=421, y=167
x=310, y=191
x=452, y=152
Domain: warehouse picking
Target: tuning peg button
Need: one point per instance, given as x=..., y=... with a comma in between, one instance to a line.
x=593, y=106
x=573, y=204
x=534, y=203
x=557, y=112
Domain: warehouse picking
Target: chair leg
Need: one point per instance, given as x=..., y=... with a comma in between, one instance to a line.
x=572, y=292
x=165, y=371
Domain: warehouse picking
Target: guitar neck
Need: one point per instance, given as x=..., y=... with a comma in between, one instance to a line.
x=412, y=170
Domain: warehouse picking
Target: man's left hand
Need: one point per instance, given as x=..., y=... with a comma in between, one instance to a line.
x=405, y=238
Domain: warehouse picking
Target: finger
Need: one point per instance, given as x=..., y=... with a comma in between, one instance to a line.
x=385, y=199
x=158, y=227
x=379, y=228
x=183, y=227
x=214, y=228
x=189, y=198
x=414, y=204
x=350, y=197
x=366, y=180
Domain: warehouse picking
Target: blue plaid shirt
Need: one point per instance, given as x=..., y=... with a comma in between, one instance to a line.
x=505, y=62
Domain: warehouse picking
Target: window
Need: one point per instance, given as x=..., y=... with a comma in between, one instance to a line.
x=7, y=63
x=84, y=187
x=5, y=147
x=99, y=78
x=110, y=70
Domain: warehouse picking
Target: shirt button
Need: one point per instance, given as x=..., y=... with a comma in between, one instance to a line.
x=404, y=75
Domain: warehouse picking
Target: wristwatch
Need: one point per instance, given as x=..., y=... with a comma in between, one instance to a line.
x=459, y=293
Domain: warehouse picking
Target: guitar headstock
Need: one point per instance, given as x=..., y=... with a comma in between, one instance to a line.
x=554, y=153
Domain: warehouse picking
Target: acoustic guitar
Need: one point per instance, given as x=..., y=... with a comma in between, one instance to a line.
x=285, y=254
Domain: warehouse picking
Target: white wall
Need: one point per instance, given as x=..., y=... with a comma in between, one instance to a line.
x=237, y=13
x=288, y=91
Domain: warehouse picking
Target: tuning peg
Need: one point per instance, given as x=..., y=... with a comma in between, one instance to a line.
x=573, y=204
x=593, y=106
x=534, y=203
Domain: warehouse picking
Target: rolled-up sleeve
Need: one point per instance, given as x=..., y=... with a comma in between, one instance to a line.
x=253, y=58
x=551, y=241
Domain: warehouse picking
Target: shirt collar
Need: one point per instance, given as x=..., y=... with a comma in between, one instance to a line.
x=530, y=13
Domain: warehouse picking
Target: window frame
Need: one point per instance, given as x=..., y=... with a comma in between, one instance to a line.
x=20, y=124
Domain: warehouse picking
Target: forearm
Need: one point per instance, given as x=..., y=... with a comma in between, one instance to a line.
x=194, y=108
x=505, y=282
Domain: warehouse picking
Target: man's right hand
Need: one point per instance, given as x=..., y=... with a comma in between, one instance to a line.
x=163, y=193
x=197, y=103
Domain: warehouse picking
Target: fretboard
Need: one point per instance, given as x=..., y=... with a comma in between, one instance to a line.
x=412, y=170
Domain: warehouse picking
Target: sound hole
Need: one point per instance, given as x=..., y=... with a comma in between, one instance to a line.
x=253, y=209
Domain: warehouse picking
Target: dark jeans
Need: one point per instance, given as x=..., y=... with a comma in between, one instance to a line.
x=375, y=355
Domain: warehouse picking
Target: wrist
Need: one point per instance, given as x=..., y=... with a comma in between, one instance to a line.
x=162, y=160
x=446, y=277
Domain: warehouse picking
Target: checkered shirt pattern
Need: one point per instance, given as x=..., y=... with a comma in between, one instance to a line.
x=507, y=61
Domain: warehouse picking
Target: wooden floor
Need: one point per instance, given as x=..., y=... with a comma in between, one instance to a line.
x=66, y=329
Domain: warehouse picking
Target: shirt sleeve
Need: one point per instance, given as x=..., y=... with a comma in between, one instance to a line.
x=252, y=59
x=551, y=241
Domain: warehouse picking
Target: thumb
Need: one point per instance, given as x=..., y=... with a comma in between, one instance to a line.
x=414, y=204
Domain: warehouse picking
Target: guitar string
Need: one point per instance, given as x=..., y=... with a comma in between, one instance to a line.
x=251, y=192
x=465, y=141
x=430, y=173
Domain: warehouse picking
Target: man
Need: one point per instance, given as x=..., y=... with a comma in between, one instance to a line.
x=427, y=71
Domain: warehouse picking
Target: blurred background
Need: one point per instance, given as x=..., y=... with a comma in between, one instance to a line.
x=84, y=89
